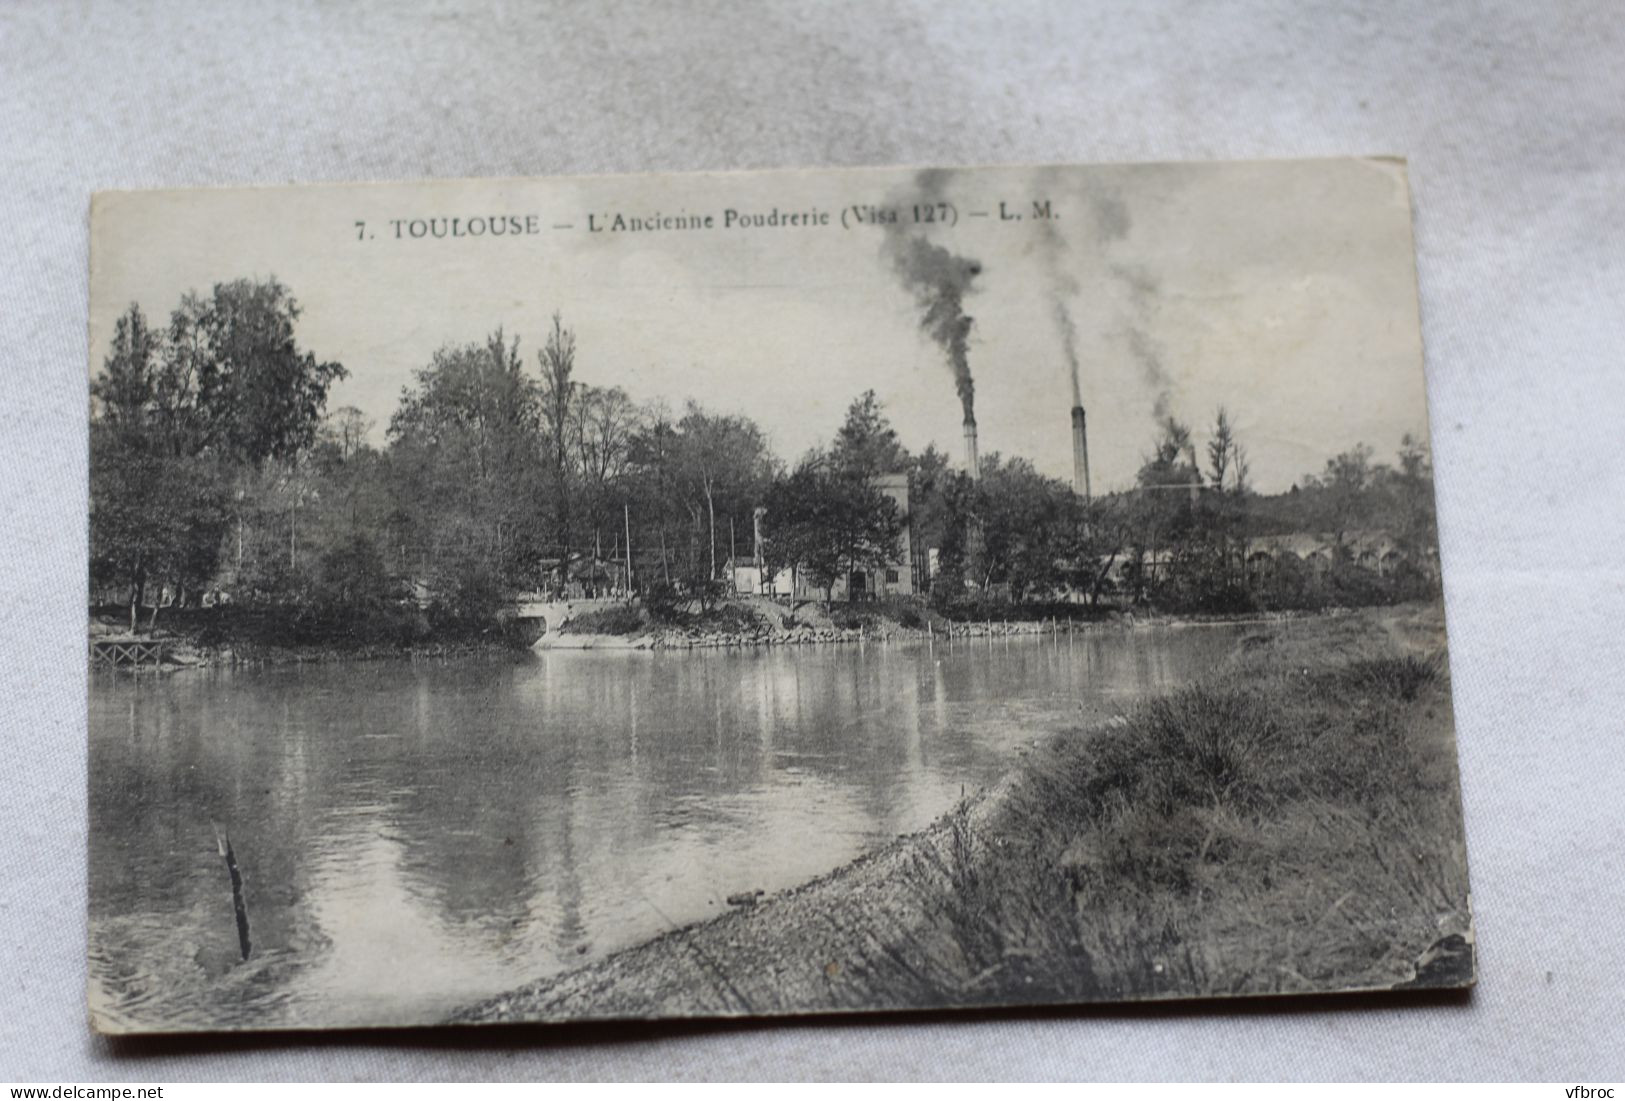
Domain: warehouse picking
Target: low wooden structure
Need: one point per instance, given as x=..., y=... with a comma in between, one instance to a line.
x=127, y=652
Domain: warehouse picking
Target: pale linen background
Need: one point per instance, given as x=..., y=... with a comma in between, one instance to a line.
x=1513, y=118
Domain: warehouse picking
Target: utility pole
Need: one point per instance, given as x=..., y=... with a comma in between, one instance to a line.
x=711, y=510
x=626, y=516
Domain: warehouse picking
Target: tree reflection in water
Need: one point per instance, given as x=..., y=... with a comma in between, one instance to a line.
x=416, y=835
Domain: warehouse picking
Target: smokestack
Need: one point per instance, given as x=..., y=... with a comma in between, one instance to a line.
x=972, y=466
x=1196, y=481
x=1080, y=454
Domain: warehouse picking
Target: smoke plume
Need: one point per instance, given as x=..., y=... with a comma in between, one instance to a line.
x=1123, y=296
x=1143, y=291
x=1068, y=330
x=1063, y=287
x=939, y=280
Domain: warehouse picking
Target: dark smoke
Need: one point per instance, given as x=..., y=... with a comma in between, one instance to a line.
x=939, y=280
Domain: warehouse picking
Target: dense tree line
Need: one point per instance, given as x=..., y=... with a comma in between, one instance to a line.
x=190, y=419
x=217, y=466
x=1196, y=536
x=1186, y=537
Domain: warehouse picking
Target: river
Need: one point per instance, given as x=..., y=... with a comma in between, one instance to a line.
x=416, y=835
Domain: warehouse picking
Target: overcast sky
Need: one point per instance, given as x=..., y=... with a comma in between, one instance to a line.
x=1285, y=291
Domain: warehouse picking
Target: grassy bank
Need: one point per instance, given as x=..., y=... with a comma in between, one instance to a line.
x=1281, y=827
x=1290, y=824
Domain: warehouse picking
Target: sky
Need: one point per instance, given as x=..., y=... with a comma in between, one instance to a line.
x=1284, y=291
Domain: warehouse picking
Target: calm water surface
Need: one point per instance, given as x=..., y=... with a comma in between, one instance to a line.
x=416, y=835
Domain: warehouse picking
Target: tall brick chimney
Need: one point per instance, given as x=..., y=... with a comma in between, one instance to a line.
x=1080, y=454
x=972, y=464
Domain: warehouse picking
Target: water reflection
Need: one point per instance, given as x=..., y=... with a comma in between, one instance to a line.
x=415, y=835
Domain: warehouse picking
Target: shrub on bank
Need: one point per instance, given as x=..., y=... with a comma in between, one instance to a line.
x=288, y=626
x=883, y=615
x=852, y=617
x=663, y=602
x=972, y=608
x=1262, y=832
x=666, y=610
x=1288, y=585
x=621, y=619
x=729, y=619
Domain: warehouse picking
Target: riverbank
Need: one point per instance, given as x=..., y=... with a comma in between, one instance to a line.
x=1289, y=824
x=767, y=623
x=187, y=650
x=742, y=624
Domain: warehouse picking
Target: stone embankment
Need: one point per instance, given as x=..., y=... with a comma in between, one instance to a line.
x=691, y=638
x=885, y=630
x=806, y=634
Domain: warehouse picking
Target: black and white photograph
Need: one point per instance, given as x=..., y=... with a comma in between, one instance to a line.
x=757, y=594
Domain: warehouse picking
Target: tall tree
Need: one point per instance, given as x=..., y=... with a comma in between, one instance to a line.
x=1026, y=525
x=1222, y=507
x=932, y=479
x=558, y=395
x=866, y=443
x=721, y=460
x=1242, y=484
x=176, y=414
x=825, y=524
x=605, y=422
x=465, y=450
x=154, y=518
x=123, y=392
x=653, y=479
x=1163, y=508
x=1167, y=465
x=346, y=429
x=1341, y=490
x=258, y=394
x=864, y=526
x=1221, y=450
x=1099, y=537
x=1417, y=522
x=792, y=529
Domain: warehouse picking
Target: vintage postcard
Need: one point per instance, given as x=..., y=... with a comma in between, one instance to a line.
x=763, y=593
